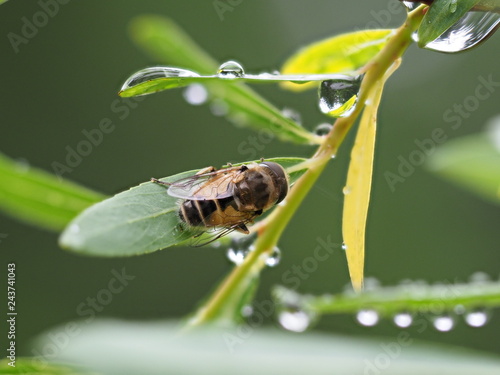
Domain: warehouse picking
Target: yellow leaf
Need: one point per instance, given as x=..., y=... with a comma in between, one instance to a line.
x=358, y=186
x=340, y=54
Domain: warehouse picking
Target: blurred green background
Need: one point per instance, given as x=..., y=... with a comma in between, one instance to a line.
x=66, y=77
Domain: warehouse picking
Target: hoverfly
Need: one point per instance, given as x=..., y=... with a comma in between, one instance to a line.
x=227, y=199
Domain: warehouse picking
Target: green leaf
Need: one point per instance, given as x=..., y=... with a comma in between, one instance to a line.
x=388, y=301
x=166, y=42
x=113, y=347
x=138, y=221
x=472, y=162
x=159, y=78
x=36, y=366
x=343, y=53
x=441, y=15
x=40, y=198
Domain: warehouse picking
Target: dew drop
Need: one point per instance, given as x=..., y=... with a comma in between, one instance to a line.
x=274, y=258
x=292, y=114
x=479, y=278
x=219, y=107
x=367, y=318
x=403, y=320
x=338, y=97
x=371, y=283
x=246, y=311
x=295, y=321
x=239, y=248
x=476, y=318
x=323, y=129
x=444, y=323
x=195, y=94
x=230, y=70
x=453, y=6
x=470, y=30
x=346, y=190
x=411, y=5
x=344, y=246
x=157, y=72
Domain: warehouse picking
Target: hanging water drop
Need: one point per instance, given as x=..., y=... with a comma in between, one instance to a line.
x=274, y=258
x=246, y=311
x=344, y=246
x=195, y=94
x=230, y=69
x=403, y=320
x=411, y=5
x=294, y=320
x=323, y=129
x=470, y=30
x=157, y=72
x=338, y=97
x=476, y=318
x=367, y=318
x=292, y=114
x=444, y=323
x=346, y=190
x=239, y=248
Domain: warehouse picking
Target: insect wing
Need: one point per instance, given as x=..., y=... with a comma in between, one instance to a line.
x=213, y=235
x=211, y=185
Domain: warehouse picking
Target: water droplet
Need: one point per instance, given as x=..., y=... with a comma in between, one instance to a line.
x=338, y=97
x=470, y=30
x=230, y=69
x=367, y=318
x=274, y=258
x=239, y=248
x=323, y=129
x=295, y=321
x=479, y=278
x=403, y=320
x=292, y=114
x=476, y=318
x=410, y=5
x=195, y=94
x=344, y=246
x=371, y=283
x=346, y=190
x=219, y=107
x=453, y=6
x=246, y=311
x=157, y=72
x=444, y=323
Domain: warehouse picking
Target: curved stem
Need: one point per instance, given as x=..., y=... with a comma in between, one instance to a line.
x=276, y=222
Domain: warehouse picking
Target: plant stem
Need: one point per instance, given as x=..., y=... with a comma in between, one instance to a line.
x=276, y=222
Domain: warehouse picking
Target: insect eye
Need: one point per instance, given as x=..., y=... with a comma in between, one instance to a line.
x=279, y=177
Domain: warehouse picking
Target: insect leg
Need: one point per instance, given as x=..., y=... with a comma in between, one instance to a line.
x=156, y=181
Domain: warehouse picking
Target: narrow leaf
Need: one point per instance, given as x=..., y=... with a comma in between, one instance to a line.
x=343, y=53
x=36, y=366
x=137, y=221
x=358, y=186
x=472, y=162
x=40, y=198
x=166, y=42
x=441, y=16
x=388, y=301
x=112, y=347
